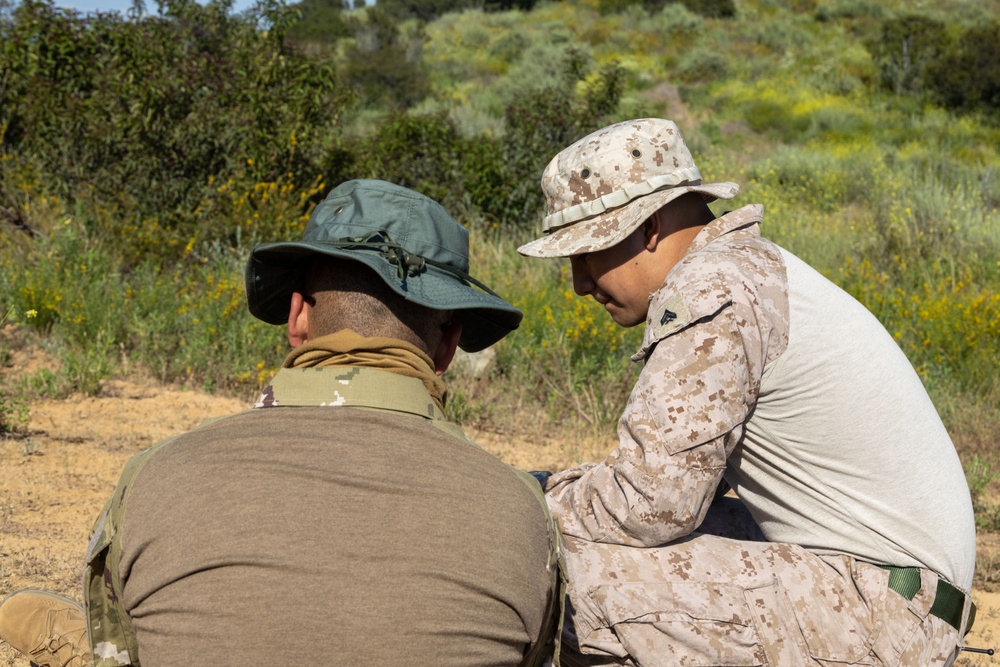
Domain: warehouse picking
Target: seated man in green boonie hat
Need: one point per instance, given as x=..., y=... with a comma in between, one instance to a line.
x=342, y=520
x=852, y=541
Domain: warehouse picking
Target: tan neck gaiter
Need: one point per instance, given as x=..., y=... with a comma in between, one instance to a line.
x=348, y=348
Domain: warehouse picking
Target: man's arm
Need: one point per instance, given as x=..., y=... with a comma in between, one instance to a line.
x=683, y=419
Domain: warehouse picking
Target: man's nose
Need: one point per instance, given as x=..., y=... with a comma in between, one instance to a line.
x=583, y=283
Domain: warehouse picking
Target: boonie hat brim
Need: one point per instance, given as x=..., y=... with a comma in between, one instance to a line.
x=613, y=226
x=275, y=270
x=374, y=209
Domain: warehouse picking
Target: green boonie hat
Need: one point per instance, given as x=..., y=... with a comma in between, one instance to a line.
x=408, y=239
x=600, y=189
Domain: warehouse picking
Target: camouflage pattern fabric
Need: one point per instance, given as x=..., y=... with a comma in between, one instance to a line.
x=348, y=386
x=604, y=186
x=112, y=637
x=110, y=631
x=644, y=587
x=704, y=351
x=710, y=600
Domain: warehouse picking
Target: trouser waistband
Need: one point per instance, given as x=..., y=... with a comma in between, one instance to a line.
x=949, y=602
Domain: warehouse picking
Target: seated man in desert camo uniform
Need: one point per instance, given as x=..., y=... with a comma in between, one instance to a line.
x=852, y=541
x=342, y=520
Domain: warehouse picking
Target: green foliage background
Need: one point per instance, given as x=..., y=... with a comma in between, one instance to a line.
x=142, y=155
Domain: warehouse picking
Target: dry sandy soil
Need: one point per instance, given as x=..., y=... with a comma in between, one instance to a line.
x=54, y=481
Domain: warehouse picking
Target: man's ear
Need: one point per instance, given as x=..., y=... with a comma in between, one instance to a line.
x=298, y=320
x=652, y=230
x=445, y=352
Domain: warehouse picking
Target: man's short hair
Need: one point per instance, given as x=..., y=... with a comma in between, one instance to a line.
x=349, y=295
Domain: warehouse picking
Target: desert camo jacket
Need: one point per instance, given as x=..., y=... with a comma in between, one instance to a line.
x=720, y=317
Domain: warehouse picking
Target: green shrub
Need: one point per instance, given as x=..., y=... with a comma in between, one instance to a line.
x=428, y=10
x=544, y=65
x=904, y=50
x=707, y=8
x=676, y=19
x=134, y=114
x=702, y=65
x=422, y=152
x=773, y=116
x=13, y=414
x=967, y=76
x=382, y=65
x=542, y=123
x=821, y=180
x=509, y=48
x=321, y=21
x=833, y=10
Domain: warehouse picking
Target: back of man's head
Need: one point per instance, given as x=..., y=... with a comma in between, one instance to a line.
x=348, y=295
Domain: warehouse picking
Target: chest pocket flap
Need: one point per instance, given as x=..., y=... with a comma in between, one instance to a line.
x=674, y=308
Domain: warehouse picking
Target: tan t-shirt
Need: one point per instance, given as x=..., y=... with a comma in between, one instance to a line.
x=331, y=535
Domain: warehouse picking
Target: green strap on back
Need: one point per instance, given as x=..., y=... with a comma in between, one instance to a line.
x=949, y=602
x=904, y=580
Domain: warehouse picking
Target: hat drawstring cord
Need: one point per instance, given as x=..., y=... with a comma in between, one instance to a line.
x=406, y=263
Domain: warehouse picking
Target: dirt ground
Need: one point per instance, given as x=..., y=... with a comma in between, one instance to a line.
x=54, y=481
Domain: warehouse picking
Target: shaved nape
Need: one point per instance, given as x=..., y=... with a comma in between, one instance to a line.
x=350, y=295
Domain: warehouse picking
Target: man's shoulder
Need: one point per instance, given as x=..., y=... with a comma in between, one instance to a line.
x=734, y=265
x=199, y=432
x=733, y=256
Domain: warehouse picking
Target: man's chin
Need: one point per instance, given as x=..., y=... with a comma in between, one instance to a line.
x=622, y=317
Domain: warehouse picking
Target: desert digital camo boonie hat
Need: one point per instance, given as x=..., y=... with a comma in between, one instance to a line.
x=408, y=239
x=600, y=189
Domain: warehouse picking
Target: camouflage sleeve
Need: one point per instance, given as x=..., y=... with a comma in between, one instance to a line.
x=705, y=349
x=682, y=420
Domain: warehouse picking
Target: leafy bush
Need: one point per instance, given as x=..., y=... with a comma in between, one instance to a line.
x=706, y=8
x=383, y=66
x=419, y=151
x=710, y=8
x=542, y=123
x=833, y=10
x=904, y=50
x=135, y=114
x=13, y=414
x=967, y=77
x=321, y=21
x=701, y=65
x=675, y=18
x=428, y=10
x=821, y=179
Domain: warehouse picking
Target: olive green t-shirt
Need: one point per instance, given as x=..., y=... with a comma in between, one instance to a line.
x=331, y=535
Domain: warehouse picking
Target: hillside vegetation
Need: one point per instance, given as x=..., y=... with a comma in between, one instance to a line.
x=142, y=155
